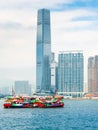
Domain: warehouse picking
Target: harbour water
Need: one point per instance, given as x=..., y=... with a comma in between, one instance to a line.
x=76, y=115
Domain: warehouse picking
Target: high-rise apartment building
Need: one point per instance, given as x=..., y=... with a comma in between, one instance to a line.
x=70, y=71
x=43, y=51
x=93, y=74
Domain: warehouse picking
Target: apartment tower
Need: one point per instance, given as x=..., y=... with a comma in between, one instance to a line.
x=70, y=72
x=93, y=74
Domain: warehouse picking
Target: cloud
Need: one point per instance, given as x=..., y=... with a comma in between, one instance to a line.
x=29, y=4
x=56, y=5
x=20, y=16
x=78, y=4
x=16, y=26
x=71, y=20
x=10, y=25
x=18, y=49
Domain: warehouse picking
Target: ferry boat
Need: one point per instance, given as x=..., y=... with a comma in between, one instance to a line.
x=34, y=102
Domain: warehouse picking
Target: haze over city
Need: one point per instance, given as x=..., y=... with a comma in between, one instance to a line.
x=74, y=26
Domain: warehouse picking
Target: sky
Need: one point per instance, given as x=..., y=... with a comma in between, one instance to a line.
x=74, y=26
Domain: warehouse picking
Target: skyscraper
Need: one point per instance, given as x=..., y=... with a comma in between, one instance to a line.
x=43, y=51
x=70, y=71
x=93, y=74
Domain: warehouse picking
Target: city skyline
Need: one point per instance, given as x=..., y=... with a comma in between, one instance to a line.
x=73, y=27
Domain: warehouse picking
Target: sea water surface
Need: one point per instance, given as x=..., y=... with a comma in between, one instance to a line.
x=76, y=115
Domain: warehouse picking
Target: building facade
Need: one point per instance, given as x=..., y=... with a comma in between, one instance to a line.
x=71, y=72
x=22, y=88
x=43, y=51
x=93, y=74
x=53, y=73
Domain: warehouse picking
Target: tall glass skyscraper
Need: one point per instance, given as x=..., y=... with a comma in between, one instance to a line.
x=43, y=51
x=70, y=71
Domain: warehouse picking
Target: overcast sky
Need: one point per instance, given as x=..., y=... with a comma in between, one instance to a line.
x=74, y=26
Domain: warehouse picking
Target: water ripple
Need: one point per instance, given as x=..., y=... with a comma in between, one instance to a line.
x=76, y=115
